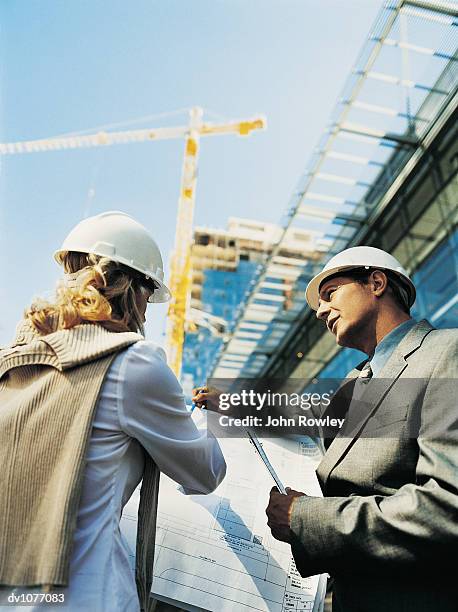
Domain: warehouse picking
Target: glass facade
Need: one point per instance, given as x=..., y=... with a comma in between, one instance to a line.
x=437, y=285
x=383, y=175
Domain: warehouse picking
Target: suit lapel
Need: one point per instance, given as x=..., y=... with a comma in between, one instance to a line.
x=373, y=396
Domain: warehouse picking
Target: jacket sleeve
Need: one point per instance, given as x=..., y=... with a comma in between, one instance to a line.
x=416, y=527
x=152, y=410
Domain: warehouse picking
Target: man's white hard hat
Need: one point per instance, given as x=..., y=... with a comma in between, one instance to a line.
x=359, y=257
x=119, y=237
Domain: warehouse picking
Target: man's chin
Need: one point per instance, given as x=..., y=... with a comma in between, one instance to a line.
x=340, y=341
x=344, y=338
x=341, y=337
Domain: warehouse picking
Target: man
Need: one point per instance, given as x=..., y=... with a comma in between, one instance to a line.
x=388, y=523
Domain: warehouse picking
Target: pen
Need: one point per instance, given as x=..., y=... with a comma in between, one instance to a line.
x=257, y=446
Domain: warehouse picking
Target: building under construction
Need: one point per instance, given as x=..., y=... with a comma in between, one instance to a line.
x=224, y=264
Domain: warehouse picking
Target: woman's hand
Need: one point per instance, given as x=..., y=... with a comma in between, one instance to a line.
x=206, y=397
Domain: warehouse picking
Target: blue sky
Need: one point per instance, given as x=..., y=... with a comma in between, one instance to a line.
x=75, y=65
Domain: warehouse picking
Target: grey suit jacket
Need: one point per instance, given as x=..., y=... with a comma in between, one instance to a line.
x=388, y=524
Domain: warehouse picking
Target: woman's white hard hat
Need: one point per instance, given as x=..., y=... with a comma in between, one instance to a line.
x=358, y=257
x=119, y=237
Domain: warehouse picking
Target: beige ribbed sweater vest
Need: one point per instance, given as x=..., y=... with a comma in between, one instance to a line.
x=49, y=387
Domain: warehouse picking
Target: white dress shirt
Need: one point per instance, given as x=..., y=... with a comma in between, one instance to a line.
x=141, y=405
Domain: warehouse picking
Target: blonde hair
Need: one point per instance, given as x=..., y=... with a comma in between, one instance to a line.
x=103, y=292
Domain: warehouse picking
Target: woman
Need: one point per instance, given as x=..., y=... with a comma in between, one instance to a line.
x=88, y=410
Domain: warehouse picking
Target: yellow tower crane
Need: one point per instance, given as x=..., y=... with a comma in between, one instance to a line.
x=180, y=273
x=180, y=265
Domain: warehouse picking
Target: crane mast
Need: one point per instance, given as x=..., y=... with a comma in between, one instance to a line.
x=180, y=263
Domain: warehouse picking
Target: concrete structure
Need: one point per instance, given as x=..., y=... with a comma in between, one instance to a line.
x=224, y=264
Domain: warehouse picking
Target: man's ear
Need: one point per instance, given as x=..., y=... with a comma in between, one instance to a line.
x=379, y=282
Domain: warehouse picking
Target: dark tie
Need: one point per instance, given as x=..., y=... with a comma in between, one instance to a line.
x=366, y=373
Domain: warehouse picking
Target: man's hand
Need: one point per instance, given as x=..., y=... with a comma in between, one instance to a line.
x=279, y=513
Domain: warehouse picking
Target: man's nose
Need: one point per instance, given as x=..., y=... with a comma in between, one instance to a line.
x=323, y=310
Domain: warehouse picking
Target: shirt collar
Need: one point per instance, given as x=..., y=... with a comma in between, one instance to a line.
x=385, y=348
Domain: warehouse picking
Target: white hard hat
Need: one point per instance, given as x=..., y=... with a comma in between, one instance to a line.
x=359, y=257
x=117, y=236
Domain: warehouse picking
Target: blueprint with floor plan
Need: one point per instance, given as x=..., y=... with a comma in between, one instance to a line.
x=215, y=552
